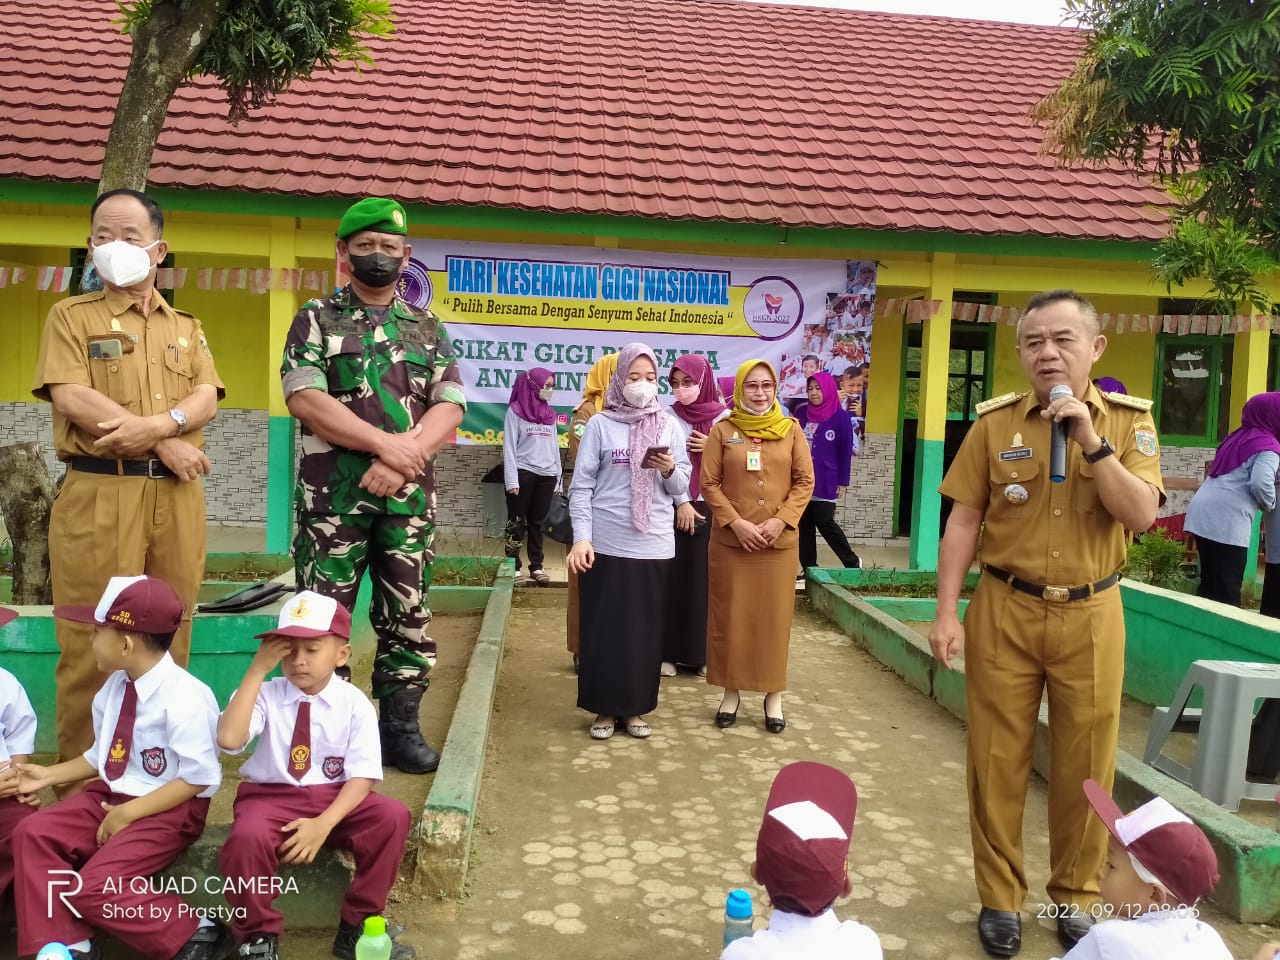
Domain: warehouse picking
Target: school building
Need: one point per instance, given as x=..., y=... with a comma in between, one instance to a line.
x=693, y=127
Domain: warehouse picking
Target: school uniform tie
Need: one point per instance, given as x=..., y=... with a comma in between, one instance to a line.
x=122, y=742
x=300, y=748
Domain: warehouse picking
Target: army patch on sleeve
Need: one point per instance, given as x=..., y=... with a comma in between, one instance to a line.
x=1144, y=437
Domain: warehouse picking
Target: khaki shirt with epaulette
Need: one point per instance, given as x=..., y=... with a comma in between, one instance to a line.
x=165, y=358
x=1046, y=532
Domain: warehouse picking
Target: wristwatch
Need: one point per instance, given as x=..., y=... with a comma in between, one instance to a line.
x=1105, y=450
x=180, y=419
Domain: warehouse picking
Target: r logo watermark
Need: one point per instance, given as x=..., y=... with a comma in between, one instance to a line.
x=74, y=884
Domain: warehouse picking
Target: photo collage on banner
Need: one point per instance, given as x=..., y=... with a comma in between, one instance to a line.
x=839, y=342
x=509, y=308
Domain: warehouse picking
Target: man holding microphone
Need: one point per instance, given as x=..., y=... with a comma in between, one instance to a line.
x=1046, y=612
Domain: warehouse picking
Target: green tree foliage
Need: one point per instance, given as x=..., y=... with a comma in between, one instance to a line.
x=255, y=48
x=1187, y=91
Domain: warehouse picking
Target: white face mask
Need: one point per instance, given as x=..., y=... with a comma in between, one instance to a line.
x=685, y=395
x=122, y=264
x=640, y=393
x=546, y=393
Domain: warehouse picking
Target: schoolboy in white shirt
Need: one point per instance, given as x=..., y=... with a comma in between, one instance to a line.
x=802, y=860
x=1159, y=865
x=154, y=749
x=17, y=743
x=309, y=782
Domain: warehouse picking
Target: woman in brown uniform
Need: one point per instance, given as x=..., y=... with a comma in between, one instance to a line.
x=757, y=477
x=598, y=378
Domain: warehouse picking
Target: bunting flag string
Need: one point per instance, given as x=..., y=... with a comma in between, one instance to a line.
x=917, y=310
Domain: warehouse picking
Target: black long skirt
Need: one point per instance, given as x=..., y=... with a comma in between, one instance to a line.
x=622, y=610
x=685, y=638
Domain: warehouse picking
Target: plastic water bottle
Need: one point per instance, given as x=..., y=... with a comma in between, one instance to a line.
x=737, y=916
x=54, y=951
x=374, y=944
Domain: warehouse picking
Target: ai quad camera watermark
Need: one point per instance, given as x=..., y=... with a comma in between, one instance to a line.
x=63, y=886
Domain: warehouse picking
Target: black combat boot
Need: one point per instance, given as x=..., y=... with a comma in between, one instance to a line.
x=402, y=743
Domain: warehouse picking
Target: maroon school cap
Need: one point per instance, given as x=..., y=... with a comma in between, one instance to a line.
x=1169, y=845
x=803, y=845
x=144, y=604
x=309, y=614
x=7, y=615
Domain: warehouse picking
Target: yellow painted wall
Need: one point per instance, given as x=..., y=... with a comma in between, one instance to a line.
x=23, y=310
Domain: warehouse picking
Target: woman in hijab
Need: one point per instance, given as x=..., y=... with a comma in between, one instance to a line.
x=631, y=471
x=697, y=409
x=1241, y=481
x=757, y=477
x=830, y=434
x=726, y=391
x=598, y=378
x=530, y=465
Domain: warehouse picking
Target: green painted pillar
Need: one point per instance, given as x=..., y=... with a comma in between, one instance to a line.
x=280, y=468
x=931, y=429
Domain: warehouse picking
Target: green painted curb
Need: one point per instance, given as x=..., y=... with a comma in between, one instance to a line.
x=444, y=833
x=1248, y=856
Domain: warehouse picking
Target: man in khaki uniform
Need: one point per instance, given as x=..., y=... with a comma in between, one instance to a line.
x=132, y=383
x=1046, y=612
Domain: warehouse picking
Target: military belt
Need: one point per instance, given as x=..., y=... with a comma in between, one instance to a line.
x=155, y=469
x=1053, y=593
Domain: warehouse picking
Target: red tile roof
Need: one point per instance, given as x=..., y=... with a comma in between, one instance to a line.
x=713, y=110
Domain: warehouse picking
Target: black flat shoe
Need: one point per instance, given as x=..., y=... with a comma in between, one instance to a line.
x=775, y=724
x=1000, y=932
x=1072, y=929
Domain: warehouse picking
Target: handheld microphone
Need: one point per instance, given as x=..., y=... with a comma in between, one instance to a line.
x=1058, y=446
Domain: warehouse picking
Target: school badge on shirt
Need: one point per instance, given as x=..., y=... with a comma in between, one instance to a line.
x=299, y=755
x=332, y=767
x=154, y=761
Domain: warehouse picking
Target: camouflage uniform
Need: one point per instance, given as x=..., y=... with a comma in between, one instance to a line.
x=388, y=372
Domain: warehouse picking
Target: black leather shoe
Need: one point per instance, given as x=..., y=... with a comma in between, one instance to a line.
x=208, y=943
x=1071, y=930
x=775, y=724
x=726, y=719
x=1000, y=932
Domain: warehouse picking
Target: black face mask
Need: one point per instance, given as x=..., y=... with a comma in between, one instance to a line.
x=375, y=269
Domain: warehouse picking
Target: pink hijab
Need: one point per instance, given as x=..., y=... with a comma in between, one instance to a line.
x=646, y=427
x=700, y=414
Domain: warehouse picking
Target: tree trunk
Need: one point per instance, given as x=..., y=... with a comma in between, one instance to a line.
x=165, y=48
x=26, y=496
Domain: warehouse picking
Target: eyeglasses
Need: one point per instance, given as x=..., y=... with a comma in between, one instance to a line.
x=762, y=386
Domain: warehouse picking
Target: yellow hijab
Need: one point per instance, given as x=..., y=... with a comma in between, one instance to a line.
x=598, y=378
x=773, y=425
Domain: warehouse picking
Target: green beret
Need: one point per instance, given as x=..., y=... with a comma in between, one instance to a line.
x=373, y=213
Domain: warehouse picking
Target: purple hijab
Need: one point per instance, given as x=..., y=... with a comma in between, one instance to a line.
x=1110, y=385
x=830, y=404
x=646, y=427
x=726, y=385
x=700, y=414
x=1259, y=430
x=525, y=399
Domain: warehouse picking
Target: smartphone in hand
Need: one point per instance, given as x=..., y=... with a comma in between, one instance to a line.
x=649, y=454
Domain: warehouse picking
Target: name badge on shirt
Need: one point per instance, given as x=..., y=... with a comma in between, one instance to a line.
x=1021, y=453
x=753, y=460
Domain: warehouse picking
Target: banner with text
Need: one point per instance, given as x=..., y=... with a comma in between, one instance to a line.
x=509, y=308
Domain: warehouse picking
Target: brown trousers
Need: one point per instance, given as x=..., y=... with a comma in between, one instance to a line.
x=103, y=527
x=1016, y=646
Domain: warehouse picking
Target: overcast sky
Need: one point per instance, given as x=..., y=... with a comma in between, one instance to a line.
x=1014, y=11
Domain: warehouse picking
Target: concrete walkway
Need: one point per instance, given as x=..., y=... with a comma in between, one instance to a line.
x=625, y=848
